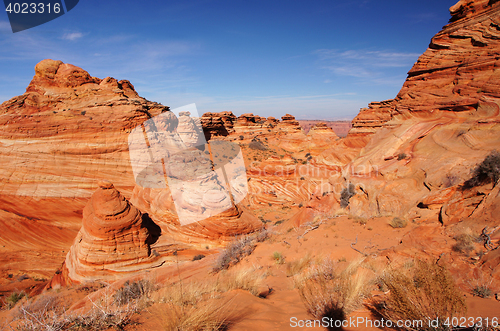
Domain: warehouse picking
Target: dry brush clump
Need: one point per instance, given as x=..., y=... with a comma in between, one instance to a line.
x=465, y=242
x=43, y=313
x=238, y=249
x=328, y=290
x=12, y=299
x=481, y=285
x=423, y=293
x=248, y=279
x=346, y=194
x=398, y=223
x=205, y=316
x=47, y=312
x=200, y=305
x=486, y=172
x=297, y=266
x=134, y=291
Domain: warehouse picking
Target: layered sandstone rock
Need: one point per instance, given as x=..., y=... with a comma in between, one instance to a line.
x=114, y=241
x=66, y=131
x=459, y=67
x=442, y=123
x=341, y=128
x=218, y=124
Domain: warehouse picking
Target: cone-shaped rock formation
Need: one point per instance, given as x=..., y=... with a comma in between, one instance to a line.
x=114, y=240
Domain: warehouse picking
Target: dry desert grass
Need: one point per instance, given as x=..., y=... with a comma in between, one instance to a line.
x=329, y=290
x=422, y=293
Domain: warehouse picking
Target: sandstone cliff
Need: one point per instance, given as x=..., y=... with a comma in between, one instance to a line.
x=459, y=67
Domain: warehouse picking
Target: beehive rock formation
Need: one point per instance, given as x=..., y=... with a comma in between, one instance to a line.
x=115, y=239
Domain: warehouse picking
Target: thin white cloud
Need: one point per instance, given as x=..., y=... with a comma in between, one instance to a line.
x=364, y=64
x=5, y=26
x=372, y=58
x=72, y=36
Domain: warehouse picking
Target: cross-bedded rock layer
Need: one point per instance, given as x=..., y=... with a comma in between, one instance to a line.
x=114, y=241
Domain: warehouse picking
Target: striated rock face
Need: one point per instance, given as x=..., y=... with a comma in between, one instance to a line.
x=341, y=128
x=442, y=123
x=218, y=124
x=57, y=140
x=66, y=131
x=115, y=239
x=459, y=67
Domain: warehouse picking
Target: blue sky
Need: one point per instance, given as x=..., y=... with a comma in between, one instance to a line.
x=315, y=59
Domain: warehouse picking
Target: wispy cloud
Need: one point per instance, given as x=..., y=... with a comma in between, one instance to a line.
x=365, y=64
x=371, y=58
x=5, y=26
x=72, y=36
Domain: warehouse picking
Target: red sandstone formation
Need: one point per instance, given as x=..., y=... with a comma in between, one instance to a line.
x=218, y=124
x=459, y=67
x=114, y=241
x=407, y=158
x=442, y=122
x=341, y=128
x=66, y=132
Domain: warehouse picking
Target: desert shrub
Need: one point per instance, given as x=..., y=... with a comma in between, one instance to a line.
x=13, y=298
x=295, y=267
x=238, y=249
x=261, y=235
x=106, y=313
x=332, y=293
x=450, y=180
x=234, y=252
x=464, y=244
x=130, y=292
x=278, y=258
x=44, y=313
x=482, y=291
x=486, y=172
x=257, y=145
x=99, y=318
x=180, y=294
x=207, y=317
x=248, y=279
x=346, y=194
x=423, y=293
x=198, y=257
x=398, y=223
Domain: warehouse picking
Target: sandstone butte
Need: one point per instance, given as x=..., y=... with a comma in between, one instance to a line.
x=72, y=212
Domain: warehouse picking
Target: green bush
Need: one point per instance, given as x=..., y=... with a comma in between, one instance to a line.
x=278, y=258
x=13, y=298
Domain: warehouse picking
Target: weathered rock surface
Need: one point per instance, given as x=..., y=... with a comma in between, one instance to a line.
x=66, y=132
x=114, y=241
x=341, y=128
x=459, y=67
